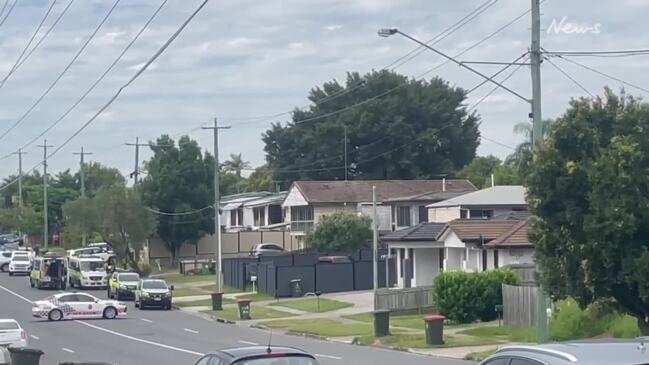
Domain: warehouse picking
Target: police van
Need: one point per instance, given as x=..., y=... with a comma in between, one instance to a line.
x=87, y=271
x=49, y=271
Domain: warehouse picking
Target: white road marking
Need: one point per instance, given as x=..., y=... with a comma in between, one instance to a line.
x=146, y=320
x=140, y=340
x=328, y=356
x=34, y=337
x=190, y=330
x=248, y=343
x=67, y=350
x=115, y=333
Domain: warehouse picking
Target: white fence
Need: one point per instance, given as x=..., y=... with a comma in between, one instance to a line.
x=405, y=299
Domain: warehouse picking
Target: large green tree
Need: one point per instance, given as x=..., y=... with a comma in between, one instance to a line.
x=479, y=170
x=180, y=180
x=341, y=231
x=419, y=130
x=98, y=175
x=589, y=191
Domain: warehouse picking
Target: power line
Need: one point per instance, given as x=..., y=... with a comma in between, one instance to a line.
x=564, y=73
x=100, y=78
x=493, y=90
x=436, y=39
x=47, y=32
x=119, y=91
x=615, y=53
x=515, y=62
x=69, y=65
x=11, y=8
x=498, y=143
x=29, y=43
x=178, y=214
x=603, y=73
x=135, y=76
x=4, y=6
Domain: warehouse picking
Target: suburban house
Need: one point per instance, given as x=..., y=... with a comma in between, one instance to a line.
x=472, y=232
x=252, y=211
x=402, y=203
x=481, y=204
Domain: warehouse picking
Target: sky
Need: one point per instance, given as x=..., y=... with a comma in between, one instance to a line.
x=244, y=59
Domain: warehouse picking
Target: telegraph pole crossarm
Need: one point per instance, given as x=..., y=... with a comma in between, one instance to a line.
x=137, y=145
x=217, y=207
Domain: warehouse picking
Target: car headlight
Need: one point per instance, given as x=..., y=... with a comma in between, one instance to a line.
x=123, y=287
x=167, y=294
x=145, y=294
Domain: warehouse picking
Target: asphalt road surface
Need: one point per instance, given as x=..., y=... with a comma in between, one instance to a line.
x=166, y=337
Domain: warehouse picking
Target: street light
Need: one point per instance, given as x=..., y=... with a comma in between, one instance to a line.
x=386, y=32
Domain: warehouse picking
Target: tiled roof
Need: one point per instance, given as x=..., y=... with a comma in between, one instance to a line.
x=361, y=190
x=476, y=229
x=420, y=232
x=511, y=195
x=516, y=236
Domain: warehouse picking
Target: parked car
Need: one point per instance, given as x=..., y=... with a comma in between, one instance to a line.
x=11, y=334
x=259, y=355
x=574, y=353
x=68, y=305
x=153, y=293
x=335, y=259
x=266, y=249
x=122, y=285
x=20, y=263
x=104, y=253
x=5, y=259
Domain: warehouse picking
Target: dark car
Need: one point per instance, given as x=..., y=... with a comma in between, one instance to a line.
x=574, y=353
x=258, y=355
x=153, y=293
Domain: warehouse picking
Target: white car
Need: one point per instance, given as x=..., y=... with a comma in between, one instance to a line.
x=104, y=253
x=20, y=264
x=77, y=306
x=5, y=259
x=11, y=334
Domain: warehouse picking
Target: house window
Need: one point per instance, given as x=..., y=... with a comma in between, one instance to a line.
x=302, y=218
x=481, y=213
x=423, y=214
x=259, y=215
x=233, y=218
x=403, y=216
x=464, y=214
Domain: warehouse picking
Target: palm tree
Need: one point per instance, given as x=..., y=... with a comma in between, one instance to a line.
x=236, y=164
x=524, y=148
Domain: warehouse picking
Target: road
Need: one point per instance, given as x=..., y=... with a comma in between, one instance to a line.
x=166, y=337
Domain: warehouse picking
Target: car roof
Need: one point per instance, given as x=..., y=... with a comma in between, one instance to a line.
x=8, y=320
x=237, y=353
x=630, y=352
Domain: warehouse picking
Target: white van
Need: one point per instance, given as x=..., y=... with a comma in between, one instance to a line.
x=87, y=271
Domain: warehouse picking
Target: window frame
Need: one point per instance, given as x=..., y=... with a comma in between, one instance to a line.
x=423, y=214
x=400, y=216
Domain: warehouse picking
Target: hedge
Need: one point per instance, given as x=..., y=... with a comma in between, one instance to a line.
x=465, y=297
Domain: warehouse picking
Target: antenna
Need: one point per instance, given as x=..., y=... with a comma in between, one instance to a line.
x=270, y=340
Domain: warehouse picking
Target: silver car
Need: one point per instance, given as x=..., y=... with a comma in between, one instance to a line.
x=574, y=353
x=266, y=249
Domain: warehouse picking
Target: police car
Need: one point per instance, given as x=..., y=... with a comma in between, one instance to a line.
x=77, y=306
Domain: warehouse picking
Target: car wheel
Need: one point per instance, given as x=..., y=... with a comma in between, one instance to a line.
x=55, y=315
x=168, y=307
x=110, y=313
x=136, y=304
x=3, y=268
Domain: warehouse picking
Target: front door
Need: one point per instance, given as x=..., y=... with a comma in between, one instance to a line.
x=86, y=306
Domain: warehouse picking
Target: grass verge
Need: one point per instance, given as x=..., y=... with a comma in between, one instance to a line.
x=413, y=321
x=406, y=341
x=202, y=303
x=322, y=327
x=479, y=356
x=503, y=333
x=256, y=313
x=311, y=305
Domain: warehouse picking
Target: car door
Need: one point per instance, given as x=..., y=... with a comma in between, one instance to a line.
x=87, y=306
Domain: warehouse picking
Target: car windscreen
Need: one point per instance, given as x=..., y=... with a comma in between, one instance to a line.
x=91, y=266
x=128, y=277
x=279, y=360
x=154, y=284
x=20, y=258
x=7, y=326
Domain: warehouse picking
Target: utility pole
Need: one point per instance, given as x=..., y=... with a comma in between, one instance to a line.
x=20, y=154
x=345, y=152
x=46, y=234
x=84, y=234
x=535, y=61
x=137, y=145
x=375, y=244
x=217, y=206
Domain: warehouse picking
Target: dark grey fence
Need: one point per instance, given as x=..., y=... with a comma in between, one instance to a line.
x=274, y=273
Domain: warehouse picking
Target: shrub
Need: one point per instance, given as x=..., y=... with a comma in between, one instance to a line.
x=466, y=297
x=623, y=326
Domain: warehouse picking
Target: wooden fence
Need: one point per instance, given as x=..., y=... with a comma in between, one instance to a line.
x=519, y=305
x=526, y=272
x=405, y=299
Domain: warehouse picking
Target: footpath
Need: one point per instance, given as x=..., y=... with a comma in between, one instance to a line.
x=342, y=317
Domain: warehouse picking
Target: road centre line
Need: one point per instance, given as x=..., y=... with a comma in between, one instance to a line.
x=190, y=330
x=248, y=343
x=146, y=320
x=67, y=350
x=114, y=332
x=34, y=337
x=328, y=356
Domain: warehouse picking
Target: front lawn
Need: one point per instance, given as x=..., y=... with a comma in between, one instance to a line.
x=201, y=303
x=406, y=341
x=502, y=333
x=311, y=304
x=413, y=321
x=256, y=313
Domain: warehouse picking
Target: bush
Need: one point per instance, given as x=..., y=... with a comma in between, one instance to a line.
x=466, y=297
